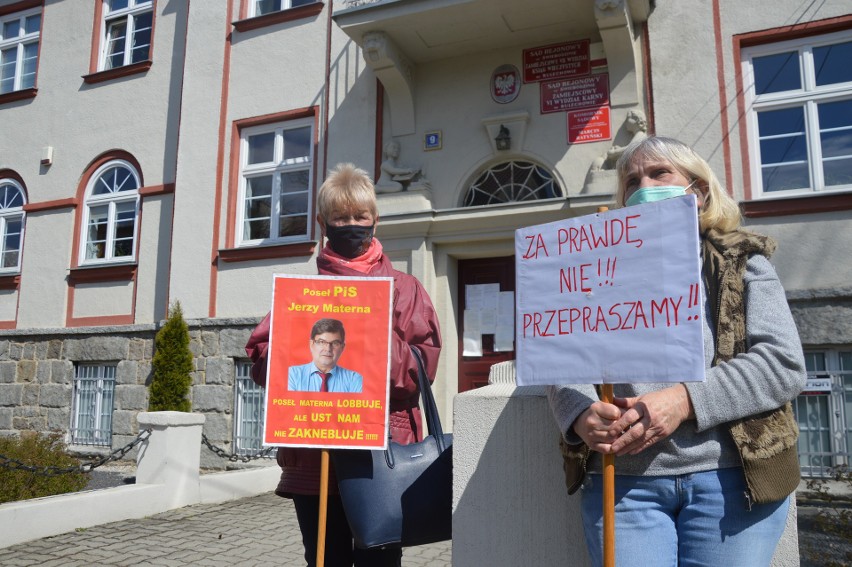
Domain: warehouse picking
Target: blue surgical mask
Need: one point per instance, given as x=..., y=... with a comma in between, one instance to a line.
x=651, y=194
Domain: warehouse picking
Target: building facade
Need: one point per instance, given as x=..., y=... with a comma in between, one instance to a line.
x=154, y=152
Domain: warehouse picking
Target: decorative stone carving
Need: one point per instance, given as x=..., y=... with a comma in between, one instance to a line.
x=637, y=125
x=396, y=73
x=395, y=177
x=602, y=177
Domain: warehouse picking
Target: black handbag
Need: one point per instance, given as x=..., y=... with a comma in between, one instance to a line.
x=401, y=496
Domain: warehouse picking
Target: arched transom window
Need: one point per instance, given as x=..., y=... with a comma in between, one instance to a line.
x=112, y=205
x=12, y=201
x=511, y=182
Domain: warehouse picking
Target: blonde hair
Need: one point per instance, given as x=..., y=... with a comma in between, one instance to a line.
x=347, y=188
x=719, y=210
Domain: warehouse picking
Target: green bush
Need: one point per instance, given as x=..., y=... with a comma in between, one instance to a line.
x=172, y=365
x=37, y=451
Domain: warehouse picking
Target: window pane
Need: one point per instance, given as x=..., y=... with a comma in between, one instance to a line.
x=785, y=121
x=11, y=29
x=142, y=37
x=32, y=24
x=10, y=197
x=838, y=172
x=116, y=32
x=29, y=71
x=293, y=226
x=297, y=143
x=295, y=182
x=124, y=224
x=781, y=150
x=815, y=361
x=786, y=177
x=265, y=6
x=8, y=59
x=259, y=187
x=776, y=73
x=261, y=148
x=295, y=3
x=294, y=203
x=831, y=63
x=113, y=5
x=97, y=232
x=258, y=208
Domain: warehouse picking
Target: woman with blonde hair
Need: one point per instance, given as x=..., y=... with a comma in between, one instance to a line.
x=705, y=469
x=348, y=214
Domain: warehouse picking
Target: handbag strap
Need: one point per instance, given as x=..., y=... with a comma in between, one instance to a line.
x=430, y=408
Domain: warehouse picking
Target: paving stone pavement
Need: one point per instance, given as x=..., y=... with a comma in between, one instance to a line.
x=252, y=532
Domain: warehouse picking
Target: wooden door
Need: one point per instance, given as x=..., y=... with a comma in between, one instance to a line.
x=473, y=370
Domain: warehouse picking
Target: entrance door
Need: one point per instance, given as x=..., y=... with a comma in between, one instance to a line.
x=473, y=369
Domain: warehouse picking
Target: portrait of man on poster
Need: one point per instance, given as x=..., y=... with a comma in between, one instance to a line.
x=322, y=374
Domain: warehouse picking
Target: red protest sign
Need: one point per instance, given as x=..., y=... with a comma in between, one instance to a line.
x=333, y=334
x=590, y=125
x=574, y=94
x=557, y=61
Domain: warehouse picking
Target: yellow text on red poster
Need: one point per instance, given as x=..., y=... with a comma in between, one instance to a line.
x=329, y=352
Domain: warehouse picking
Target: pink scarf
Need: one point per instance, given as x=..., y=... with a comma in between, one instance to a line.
x=363, y=263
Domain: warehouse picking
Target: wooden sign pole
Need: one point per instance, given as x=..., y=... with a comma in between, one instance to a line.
x=608, y=485
x=323, y=508
x=608, y=495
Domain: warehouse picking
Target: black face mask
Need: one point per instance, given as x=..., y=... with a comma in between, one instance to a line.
x=351, y=240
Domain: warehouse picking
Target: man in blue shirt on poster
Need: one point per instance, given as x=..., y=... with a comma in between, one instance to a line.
x=328, y=339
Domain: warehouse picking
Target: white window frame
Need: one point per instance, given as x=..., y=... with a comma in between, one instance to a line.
x=131, y=14
x=10, y=211
x=282, y=5
x=275, y=168
x=809, y=96
x=20, y=42
x=248, y=411
x=112, y=200
x=93, y=404
x=833, y=386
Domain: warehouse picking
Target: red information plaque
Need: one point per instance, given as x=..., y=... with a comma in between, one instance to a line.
x=557, y=61
x=574, y=94
x=589, y=125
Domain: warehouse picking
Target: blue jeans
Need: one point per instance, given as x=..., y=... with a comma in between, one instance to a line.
x=688, y=520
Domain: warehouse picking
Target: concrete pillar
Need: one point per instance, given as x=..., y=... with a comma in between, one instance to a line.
x=171, y=456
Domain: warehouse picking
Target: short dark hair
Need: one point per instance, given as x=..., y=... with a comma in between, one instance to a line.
x=328, y=326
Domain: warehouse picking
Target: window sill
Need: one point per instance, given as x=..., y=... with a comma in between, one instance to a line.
x=98, y=274
x=268, y=252
x=280, y=17
x=10, y=282
x=808, y=204
x=124, y=71
x=22, y=94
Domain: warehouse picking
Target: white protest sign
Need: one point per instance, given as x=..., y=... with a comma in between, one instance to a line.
x=611, y=298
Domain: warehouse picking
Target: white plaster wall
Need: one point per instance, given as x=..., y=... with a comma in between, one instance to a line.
x=82, y=121
x=103, y=299
x=245, y=288
x=155, y=234
x=813, y=250
x=8, y=304
x=195, y=182
x=44, y=267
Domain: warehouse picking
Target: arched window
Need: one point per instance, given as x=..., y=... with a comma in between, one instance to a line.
x=12, y=201
x=112, y=207
x=511, y=182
